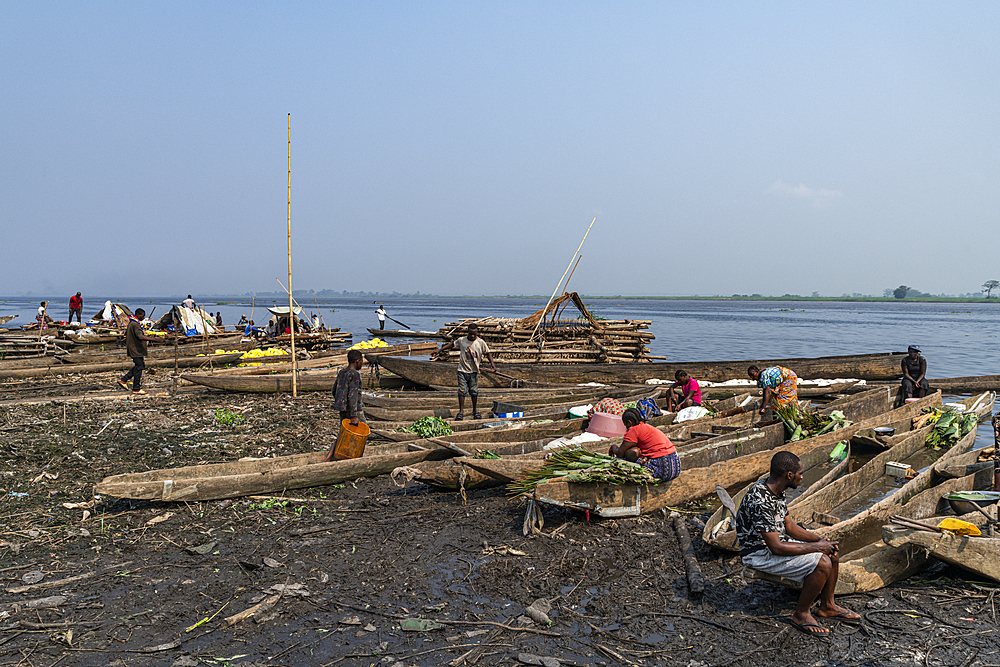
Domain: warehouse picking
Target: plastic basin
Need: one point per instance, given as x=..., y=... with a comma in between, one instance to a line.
x=605, y=425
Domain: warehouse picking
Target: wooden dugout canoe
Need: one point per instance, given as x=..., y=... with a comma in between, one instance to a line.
x=406, y=333
x=884, y=366
x=124, y=363
x=869, y=564
x=630, y=500
x=979, y=555
x=260, y=476
x=835, y=489
x=413, y=400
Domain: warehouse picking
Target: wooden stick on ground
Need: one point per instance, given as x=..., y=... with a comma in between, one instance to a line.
x=257, y=609
x=696, y=582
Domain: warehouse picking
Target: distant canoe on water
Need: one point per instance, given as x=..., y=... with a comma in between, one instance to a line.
x=884, y=366
x=406, y=333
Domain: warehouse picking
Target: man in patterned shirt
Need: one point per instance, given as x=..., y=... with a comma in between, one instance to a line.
x=771, y=542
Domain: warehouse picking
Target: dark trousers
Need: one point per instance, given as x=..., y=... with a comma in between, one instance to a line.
x=136, y=373
x=381, y=325
x=75, y=311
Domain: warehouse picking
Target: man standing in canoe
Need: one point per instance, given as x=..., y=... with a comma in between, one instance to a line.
x=135, y=347
x=76, y=308
x=381, y=316
x=914, y=368
x=771, y=542
x=780, y=386
x=471, y=350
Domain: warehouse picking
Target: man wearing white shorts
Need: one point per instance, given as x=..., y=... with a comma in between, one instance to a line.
x=771, y=542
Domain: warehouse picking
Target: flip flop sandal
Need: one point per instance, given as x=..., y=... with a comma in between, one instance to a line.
x=124, y=385
x=459, y=417
x=845, y=617
x=477, y=415
x=804, y=627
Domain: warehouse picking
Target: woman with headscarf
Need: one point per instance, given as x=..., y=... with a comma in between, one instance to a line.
x=647, y=446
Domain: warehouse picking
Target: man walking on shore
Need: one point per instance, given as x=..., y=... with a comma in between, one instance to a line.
x=135, y=347
x=471, y=350
x=76, y=308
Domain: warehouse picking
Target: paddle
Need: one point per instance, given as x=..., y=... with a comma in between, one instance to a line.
x=727, y=500
x=406, y=326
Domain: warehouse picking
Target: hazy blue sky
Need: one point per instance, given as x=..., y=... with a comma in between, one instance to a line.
x=463, y=148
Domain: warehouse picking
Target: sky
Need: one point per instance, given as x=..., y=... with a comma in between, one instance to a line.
x=464, y=148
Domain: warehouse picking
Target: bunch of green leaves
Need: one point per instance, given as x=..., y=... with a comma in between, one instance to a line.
x=576, y=464
x=951, y=427
x=429, y=427
x=803, y=424
x=486, y=454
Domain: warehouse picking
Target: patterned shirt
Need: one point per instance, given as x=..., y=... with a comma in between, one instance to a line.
x=347, y=391
x=760, y=512
x=773, y=376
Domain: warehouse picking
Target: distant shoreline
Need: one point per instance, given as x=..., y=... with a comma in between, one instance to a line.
x=223, y=299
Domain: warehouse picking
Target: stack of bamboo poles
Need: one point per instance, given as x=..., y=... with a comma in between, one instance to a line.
x=546, y=337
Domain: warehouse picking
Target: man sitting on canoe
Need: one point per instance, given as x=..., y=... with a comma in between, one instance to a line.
x=471, y=349
x=780, y=386
x=648, y=446
x=771, y=542
x=684, y=393
x=914, y=369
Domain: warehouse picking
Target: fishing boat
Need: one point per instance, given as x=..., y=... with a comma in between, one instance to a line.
x=122, y=363
x=259, y=476
x=884, y=366
x=866, y=499
x=979, y=555
x=831, y=488
x=406, y=333
x=631, y=500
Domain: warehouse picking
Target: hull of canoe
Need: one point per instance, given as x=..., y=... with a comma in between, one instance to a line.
x=978, y=555
x=262, y=476
x=406, y=333
x=866, y=367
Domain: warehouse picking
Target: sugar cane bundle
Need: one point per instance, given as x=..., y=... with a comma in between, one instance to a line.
x=575, y=464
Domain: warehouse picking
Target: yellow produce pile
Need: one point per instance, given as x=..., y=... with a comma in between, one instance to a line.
x=252, y=354
x=369, y=344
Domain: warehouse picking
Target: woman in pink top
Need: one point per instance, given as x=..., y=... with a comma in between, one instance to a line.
x=648, y=446
x=684, y=393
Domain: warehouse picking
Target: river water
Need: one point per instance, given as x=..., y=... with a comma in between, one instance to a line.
x=956, y=338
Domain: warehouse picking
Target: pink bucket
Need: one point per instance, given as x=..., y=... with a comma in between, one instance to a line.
x=605, y=425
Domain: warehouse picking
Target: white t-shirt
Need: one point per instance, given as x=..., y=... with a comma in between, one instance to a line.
x=381, y=314
x=471, y=353
x=188, y=303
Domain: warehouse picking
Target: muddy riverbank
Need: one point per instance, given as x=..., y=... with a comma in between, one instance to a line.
x=369, y=573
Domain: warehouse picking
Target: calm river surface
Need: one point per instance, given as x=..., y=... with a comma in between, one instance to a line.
x=957, y=339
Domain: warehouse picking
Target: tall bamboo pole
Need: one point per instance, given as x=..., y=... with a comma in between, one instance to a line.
x=291, y=313
x=535, y=331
